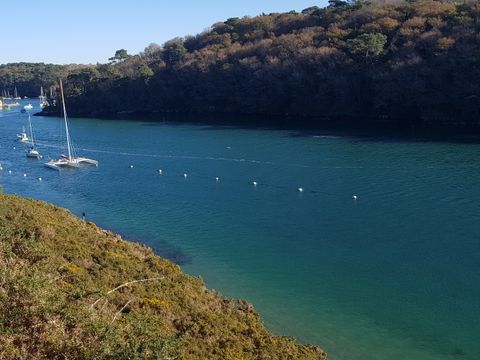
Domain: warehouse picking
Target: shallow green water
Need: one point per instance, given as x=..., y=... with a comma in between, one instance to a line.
x=392, y=275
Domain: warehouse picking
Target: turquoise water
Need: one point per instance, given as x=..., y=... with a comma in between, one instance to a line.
x=392, y=275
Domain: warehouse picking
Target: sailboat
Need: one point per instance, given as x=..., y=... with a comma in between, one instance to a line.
x=32, y=152
x=69, y=160
x=26, y=108
x=15, y=95
x=23, y=137
x=42, y=98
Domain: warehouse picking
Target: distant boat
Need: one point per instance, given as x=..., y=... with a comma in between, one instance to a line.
x=23, y=137
x=15, y=94
x=32, y=152
x=28, y=107
x=6, y=95
x=42, y=98
x=70, y=160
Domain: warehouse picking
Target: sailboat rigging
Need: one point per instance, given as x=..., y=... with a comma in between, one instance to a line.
x=32, y=152
x=42, y=98
x=15, y=95
x=69, y=160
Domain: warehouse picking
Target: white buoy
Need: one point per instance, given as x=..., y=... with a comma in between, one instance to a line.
x=131, y=166
x=9, y=171
x=1, y=168
x=300, y=189
x=160, y=171
x=14, y=148
x=185, y=175
x=39, y=179
x=254, y=183
x=354, y=197
x=217, y=178
x=228, y=147
x=24, y=175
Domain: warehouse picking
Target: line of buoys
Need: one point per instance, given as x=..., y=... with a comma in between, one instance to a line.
x=185, y=175
x=217, y=179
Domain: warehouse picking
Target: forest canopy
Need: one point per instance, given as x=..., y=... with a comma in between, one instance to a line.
x=409, y=62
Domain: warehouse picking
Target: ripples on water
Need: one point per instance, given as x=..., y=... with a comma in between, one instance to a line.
x=393, y=275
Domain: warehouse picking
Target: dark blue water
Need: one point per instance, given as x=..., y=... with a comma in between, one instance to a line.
x=392, y=275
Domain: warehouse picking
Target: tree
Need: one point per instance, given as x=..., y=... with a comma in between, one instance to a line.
x=368, y=44
x=310, y=10
x=173, y=51
x=120, y=55
x=145, y=71
x=152, y=52
x=338, y=3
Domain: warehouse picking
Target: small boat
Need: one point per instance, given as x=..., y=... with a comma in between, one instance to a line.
x=32, y=152
x=15, y=95
x=69, y=160
x=23, y=137
x=28, y=107
x=42, y=98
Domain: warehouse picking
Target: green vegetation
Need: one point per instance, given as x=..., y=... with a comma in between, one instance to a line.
x=70, y=290
x=410, y=63
x=28, y=77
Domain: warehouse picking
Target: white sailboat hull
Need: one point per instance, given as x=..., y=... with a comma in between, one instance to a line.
x=34, y=154
x=70, y=163
x=23, y=137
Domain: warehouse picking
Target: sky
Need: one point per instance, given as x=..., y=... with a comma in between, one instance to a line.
x=90, y=31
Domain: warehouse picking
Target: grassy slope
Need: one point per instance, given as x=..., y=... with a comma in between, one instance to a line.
x=53, y=267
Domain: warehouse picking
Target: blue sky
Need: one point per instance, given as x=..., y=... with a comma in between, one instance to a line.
x=89, y=31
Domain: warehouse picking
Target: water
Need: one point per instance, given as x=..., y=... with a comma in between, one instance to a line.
x=392, y=275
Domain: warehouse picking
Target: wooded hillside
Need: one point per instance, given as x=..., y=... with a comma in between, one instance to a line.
x=404, y=62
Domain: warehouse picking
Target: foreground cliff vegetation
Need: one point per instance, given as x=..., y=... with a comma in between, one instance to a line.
x=405, y=62
x=69, y=290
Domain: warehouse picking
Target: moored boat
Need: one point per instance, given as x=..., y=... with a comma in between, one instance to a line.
x=69, y=160
x=23, y=137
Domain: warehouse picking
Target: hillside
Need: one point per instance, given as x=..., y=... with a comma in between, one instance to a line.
x=408, y=63
x=70, y=290
x=29, y=77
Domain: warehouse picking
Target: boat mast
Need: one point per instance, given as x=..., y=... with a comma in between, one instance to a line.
x=66, y=123
x=31, y=130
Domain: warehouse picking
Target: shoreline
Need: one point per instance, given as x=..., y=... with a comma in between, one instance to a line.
x=411, y=130
x=84, y=261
